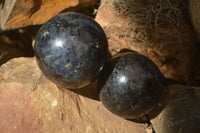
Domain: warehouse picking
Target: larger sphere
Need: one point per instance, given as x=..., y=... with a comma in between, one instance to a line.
x=71, y=50
x=133, y=87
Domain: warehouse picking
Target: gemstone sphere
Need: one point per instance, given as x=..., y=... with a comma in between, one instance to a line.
x=71, y=50
x=133, y=87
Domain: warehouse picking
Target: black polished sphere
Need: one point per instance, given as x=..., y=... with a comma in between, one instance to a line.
x=71, y=50
x=133, y=87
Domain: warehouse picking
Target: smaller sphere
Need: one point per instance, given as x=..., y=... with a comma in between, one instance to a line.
x=71, y=50
x=134, y=85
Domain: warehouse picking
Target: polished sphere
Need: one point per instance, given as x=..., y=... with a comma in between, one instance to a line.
x=71, y=50
x=133, y=86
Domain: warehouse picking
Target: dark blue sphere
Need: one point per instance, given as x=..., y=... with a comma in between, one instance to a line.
x=133, y=85
x=71, y=50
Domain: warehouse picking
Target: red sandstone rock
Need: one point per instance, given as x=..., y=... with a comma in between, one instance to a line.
x=31, y=103
x=20, y=13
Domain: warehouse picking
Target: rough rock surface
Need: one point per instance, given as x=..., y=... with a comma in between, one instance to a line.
x=20, y=13
x=31, y=103
x=177, y=59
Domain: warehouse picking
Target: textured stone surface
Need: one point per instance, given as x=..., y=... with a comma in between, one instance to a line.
x=71, y=50
x=133, y=86
x=20, y=13
x=31, y=103
x=182, y=112
x=177, y=56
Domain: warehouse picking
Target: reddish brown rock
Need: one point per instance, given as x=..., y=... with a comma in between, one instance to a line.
x=20, y=13
x=176, y=55
x=17, y=111
x=31, y=103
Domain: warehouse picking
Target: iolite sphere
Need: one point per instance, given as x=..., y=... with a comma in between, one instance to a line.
x=71, y=50
x=134, y=85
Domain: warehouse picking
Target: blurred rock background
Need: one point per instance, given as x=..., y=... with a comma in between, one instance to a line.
x=30, y=103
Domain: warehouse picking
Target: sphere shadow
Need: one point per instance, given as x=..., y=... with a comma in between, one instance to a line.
x=93, y=90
